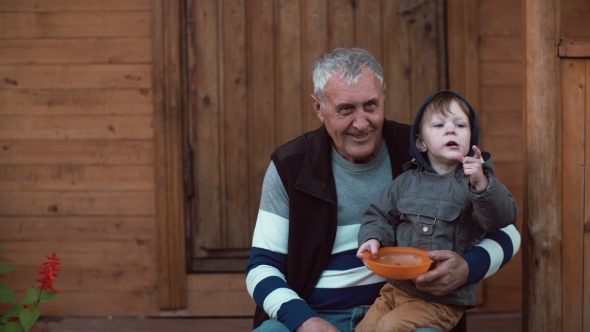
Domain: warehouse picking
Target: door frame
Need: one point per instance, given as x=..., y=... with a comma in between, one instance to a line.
x=167, y=36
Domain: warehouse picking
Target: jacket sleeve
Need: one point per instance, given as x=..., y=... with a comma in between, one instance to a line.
x=496, y=211
x=265, y=274
x=380, y=216
x=494, y=207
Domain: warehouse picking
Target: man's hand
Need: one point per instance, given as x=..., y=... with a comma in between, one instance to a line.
x=316, y=324
x=450, y=273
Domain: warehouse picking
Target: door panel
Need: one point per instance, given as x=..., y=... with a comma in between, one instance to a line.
x=249, y=85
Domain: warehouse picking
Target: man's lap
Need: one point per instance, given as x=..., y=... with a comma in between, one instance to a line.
x=344, y=320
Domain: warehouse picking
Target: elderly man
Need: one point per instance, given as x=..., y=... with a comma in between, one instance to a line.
x=303, y=272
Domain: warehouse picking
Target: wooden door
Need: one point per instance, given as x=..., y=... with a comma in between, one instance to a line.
x=575, y=156
x=248, y=69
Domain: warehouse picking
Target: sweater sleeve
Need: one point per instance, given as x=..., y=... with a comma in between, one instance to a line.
x=493, y=252
x=265, y=274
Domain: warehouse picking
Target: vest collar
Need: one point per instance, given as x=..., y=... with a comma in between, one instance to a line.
x=316, y=177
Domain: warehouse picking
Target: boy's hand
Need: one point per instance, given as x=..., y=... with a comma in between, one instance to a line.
x=371, y=245
x=473, y=168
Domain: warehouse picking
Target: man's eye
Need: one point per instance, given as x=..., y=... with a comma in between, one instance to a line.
x=345, y=110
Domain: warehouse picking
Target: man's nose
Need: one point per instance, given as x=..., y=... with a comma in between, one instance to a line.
x=360, y=120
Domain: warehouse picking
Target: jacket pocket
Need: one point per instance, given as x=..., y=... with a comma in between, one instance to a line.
x=433, y=222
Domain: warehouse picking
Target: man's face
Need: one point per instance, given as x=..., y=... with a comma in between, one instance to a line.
x=353, y=115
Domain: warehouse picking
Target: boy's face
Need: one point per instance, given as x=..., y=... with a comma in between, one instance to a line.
x=443, y=138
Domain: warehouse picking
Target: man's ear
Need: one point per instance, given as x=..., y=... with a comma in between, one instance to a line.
x=317, y=108
x=420, y=145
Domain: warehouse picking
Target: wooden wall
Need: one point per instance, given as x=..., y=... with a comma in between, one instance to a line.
x=499, y=58
x=77, y=151
x=77, y=141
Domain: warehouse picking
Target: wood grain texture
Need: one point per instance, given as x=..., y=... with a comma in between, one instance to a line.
x=262, y=102
x=586, y=272
x=104, y=303
x=76, y=102
x=76, y=177
x=463, y=49
x=206, y=121
x=571, y=48
x=501, y=98
x=19, y=25
x=500, y=48
x=169, y=151
x=504, y=73
x=290, y=73
x=74, y=76
x=573, y=179
x=314, y=31
x=236, y=224
x=397, y=63
x=78, y=50
x=74, y=127
x=81, y=228
x=76, y=152
x=73, y=5
x=77, y=203
x=543, y=224
x=217, y=294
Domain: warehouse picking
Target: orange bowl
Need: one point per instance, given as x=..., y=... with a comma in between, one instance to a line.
x=399, y=263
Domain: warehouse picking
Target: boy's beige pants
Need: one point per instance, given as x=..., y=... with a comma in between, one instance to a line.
x=397, y=311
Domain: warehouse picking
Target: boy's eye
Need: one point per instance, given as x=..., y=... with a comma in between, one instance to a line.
x=438, y=125
x=460, y=125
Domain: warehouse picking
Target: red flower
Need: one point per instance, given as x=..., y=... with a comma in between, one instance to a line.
x=48, y=270
x=14, y=319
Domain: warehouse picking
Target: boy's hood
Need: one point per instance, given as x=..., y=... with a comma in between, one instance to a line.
x=420, y=157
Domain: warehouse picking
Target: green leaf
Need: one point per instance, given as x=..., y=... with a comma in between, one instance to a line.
x=32, y=296
x=6, y=294
x=13, y=327
x=13, y=312
x=1, y=249
x=29, y=317
x=49, y=295
x=6, y=268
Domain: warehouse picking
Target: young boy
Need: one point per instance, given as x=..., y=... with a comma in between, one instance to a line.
x=447, y=198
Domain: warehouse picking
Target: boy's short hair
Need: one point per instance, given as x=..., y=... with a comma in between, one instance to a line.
x=441, y=103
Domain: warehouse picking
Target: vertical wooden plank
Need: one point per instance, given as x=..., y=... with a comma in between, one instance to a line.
x=368, y=28
x=424, y=52
x=340, y=26
x=204, y=86
x=573, y=134
x=542, y=217
x=586, y=272
x=168, y=139
x=289, y=76
x=235, y=230
x=261, y=65
x=462, y=28
x=396, y=63
x=315, y=42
